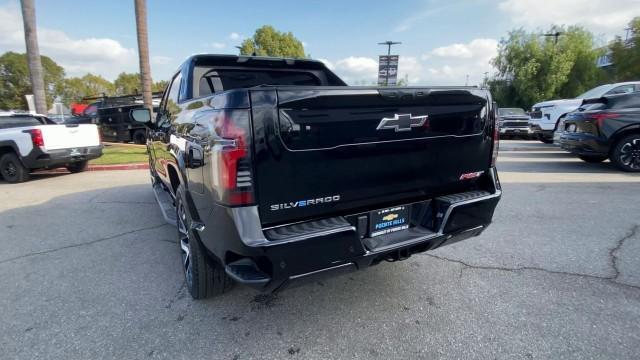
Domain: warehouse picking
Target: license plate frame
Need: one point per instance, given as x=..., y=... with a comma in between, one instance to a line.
x=389, y=220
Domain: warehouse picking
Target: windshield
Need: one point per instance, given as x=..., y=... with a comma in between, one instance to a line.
x=511, y=111
x=596, y=92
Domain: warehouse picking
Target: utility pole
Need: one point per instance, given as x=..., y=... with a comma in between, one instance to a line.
x=389, y=44
x=555, y=36
x=143, y=52
x=466, y=81
x=33, y=55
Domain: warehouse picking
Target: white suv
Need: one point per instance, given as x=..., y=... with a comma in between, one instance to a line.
x=546, y=115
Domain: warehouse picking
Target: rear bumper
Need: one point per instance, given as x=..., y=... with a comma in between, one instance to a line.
x=281, y=257
x=536, y=129
x=41, y=159
x=583, y=144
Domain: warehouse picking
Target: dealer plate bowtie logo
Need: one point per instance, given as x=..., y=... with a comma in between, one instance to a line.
x=402, y=122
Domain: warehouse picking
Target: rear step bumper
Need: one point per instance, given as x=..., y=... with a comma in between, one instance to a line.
x=275, y=258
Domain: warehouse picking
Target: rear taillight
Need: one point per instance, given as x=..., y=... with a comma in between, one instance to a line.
x=601, y=117
x=232, y=171
x=496, y=136
x=36, y=137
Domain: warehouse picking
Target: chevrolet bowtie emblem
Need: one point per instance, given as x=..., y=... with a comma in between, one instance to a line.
x=402, y=122
x=390, y=217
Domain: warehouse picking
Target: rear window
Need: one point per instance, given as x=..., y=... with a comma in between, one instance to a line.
x=18, y=121
x=221, y=79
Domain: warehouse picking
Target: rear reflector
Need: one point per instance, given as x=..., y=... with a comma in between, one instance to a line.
x=471, y=175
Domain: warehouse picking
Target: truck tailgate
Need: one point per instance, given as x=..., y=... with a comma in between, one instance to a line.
x=69, y=136
x=331, y=151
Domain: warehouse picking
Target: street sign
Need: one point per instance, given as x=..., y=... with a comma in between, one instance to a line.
x=388, y=70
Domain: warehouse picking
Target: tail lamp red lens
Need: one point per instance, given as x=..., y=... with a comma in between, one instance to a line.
x=232, y=173
x=36, y=137
x=601, y=117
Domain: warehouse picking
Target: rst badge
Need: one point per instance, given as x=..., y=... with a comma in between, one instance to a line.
x=402, y=122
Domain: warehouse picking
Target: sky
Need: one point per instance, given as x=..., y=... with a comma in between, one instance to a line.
x=443, y=41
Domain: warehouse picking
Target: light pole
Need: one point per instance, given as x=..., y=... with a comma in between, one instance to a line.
x=389, y=44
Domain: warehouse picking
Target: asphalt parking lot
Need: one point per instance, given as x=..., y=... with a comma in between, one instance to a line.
x=89, y=270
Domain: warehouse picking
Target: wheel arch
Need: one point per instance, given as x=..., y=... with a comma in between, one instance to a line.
x=621, y=133
x=7, y=147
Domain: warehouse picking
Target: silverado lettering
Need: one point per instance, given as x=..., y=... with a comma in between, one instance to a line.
x=302, y=203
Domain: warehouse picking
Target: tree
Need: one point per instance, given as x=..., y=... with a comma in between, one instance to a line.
x=74, y=89
x=143, y=51
x=127, y=84
x=537, y=68
x=33, y=55
x=15, y=81
x=160, y=85
x=626, y=54
x=268, y=41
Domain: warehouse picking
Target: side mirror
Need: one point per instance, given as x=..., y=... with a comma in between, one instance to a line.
x=142, y=116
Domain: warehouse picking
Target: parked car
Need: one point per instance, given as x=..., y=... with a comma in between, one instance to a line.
x=606, y=127
x=275, y=171
x=111, y=115
x=545, y=116
x=30, y=142
x=513, y=122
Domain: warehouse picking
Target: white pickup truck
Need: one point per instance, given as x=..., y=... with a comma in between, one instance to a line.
x=31, y=142
x=546, y=116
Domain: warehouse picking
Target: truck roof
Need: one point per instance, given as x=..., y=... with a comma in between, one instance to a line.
x=235, y=60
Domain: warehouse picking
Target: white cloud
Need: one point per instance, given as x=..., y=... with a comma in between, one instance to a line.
x=450, y=64
x=328, y=64
x=445, y=65
x=236, y=36
x=103, y=56
x=217, y=45
x=604, y=17
x=357, y=69
x=479, y=49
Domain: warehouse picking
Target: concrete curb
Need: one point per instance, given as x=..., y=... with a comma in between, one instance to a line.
x=140, y=166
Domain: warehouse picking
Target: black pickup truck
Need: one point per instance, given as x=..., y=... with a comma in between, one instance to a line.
x=275, y=171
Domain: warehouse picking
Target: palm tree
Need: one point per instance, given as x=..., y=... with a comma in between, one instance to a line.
x=33, y=55
x=143, y=51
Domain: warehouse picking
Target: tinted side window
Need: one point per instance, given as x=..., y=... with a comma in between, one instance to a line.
x=170, y=107
x=623, y=89
x=627, y=102
x=18, y=121
x=174, y=90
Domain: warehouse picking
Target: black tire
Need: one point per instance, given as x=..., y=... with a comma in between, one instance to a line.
x=593, y=158
x=77, y=167
x=626, y=153
x=204, y=276
x=139, y=137
x=544, y=139
x=12, y=169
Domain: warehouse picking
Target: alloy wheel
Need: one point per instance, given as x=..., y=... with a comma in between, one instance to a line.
x=11, y=170
x=630, y=153
x=185, y=244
